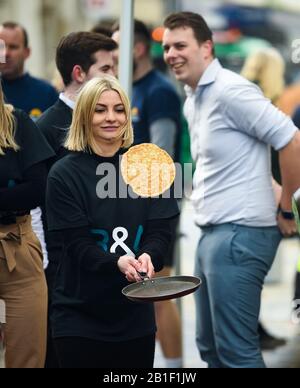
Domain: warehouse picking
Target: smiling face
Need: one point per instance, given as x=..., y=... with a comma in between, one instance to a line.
x=186, y=57
x=109, y=118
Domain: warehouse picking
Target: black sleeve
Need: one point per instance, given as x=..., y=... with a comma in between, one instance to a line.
x=29, y=194
x=163, y=208
x=34, y=148
x=163, y=103
x=156, y=241
x=63, y=204
x=296, y=117
x=275, y=166
x=80, y=244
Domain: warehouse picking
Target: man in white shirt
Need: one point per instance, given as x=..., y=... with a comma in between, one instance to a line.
x=232, y=127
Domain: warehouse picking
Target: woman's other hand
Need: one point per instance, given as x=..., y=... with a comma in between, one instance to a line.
x=130, y=267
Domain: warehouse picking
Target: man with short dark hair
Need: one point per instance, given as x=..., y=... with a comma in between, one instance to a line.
x=156, y=116
x=232, y=125
x=156, y=107
x=80, y=56
x=20, y=89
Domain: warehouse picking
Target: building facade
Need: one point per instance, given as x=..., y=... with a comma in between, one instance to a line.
x=48, y=20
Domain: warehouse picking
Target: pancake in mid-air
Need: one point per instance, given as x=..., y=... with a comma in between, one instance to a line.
x=148, y=170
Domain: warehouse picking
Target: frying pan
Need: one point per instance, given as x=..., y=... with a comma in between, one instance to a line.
x=158, y=289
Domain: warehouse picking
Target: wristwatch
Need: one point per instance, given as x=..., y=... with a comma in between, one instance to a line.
x=286, y=214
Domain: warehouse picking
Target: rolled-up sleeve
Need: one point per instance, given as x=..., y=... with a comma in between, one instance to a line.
x=247, y=110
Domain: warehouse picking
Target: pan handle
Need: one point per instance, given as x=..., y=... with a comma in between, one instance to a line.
x=143, y=276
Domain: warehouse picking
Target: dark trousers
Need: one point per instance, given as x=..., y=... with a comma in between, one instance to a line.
x=51, y=356
x=297, y=287
x=77, y=352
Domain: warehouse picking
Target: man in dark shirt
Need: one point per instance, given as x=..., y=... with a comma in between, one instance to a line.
x=156, y=117
x=156, y=107
x=80, y=56
x=20, y=89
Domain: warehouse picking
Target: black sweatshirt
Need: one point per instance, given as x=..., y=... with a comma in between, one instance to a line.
x=27, y=195
x=23, y=173
x=97, y=230
x=79, y=242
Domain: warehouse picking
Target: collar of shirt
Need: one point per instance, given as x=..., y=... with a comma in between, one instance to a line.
x=17, y=80
x=208, y=77
x=67, y=101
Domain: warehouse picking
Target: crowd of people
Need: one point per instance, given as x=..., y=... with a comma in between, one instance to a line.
x=62, y=263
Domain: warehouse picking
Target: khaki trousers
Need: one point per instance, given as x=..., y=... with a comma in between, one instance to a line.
x=24, y=291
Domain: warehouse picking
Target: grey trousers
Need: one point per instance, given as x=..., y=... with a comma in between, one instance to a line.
x=232, y=262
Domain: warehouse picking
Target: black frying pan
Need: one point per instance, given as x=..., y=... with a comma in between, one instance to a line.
x=158, y=289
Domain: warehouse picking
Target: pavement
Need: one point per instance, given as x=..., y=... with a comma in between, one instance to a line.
x=276, y=312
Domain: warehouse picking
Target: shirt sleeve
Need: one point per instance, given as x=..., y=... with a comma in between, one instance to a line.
x=33, y=146
x=296, y=117
x=62, y=207
x=247, y=110
x=163, y=208
x=156, y=241
x=53, y=96
x=79, y=243
x=163, y=103
x=46, y=130
x=163, y=134
x=27, y=195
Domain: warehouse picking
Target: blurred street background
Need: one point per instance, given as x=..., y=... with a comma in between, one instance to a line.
x=240, y=26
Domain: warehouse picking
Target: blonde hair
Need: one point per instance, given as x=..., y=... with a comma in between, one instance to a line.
x=7, y=127
x=80, y=136
x=266, y=68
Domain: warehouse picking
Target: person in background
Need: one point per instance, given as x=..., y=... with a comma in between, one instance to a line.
x=103, y=29
x=57, y=82
x=80, y=56
x=290, y=99
x=296, y=120
x=25, y=92
x=232, y=125
x=20, y=89
x=94, y=324
x=23, y=175
x=156, y=115
x=266, y=68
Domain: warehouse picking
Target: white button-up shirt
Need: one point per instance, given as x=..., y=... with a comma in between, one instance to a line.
x=231, y=126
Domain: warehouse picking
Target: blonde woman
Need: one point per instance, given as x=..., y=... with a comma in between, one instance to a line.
x=94, y=325
x=266, y=68
x=23, y=151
